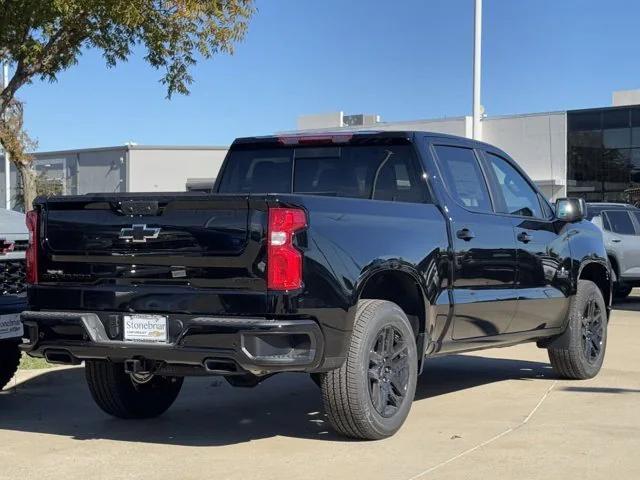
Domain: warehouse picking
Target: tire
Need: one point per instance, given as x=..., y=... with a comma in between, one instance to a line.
x=621, y=292
x=117, y=394
x=367, y=373
x=579, y=352
x=9, y=361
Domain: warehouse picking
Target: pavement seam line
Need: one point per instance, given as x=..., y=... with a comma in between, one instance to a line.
x=491, y=440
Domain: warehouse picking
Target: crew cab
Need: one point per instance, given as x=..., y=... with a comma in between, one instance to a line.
x=350, y=256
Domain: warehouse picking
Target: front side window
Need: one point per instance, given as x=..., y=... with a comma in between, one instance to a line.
x=620, y=222
x=519, y=196
x=463, y=177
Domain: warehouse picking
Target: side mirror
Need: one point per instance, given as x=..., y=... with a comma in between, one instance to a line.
x=571, y=209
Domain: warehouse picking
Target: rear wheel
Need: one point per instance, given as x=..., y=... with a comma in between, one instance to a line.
x=370, y=396
x=9, y=361
x=126, y=396
x=583, y=344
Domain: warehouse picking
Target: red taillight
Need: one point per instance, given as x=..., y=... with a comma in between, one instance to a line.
x=284, y=261
x=31, y=254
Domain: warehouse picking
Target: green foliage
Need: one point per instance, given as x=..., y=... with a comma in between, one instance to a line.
x=31, y=363
x=44, y=37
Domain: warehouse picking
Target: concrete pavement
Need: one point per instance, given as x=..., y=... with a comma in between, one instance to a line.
x=496, y=414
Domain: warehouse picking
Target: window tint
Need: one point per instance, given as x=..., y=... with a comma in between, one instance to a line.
x=346, y=171
x=620, y=222
x=257, y=171
x=463, y=177
x=519, y=197
x=379, y=172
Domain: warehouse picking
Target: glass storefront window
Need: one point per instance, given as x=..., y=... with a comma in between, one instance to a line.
x=602, y=160
x=635, y=127
x=615, y=129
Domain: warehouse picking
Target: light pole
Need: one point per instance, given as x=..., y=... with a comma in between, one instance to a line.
x=477, y=66
x=7, y=164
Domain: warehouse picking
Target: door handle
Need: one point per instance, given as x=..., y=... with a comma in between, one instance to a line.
x=616, y=240
x=465, y=234
x=524, y=237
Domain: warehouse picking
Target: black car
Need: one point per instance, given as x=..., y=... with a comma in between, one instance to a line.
x=352, y=257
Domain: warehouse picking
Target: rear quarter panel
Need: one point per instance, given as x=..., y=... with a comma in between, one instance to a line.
x=350, y=240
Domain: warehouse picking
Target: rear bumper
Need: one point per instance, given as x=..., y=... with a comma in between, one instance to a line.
x=216, y=345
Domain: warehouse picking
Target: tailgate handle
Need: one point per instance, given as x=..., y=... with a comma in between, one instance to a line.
x=138, y=207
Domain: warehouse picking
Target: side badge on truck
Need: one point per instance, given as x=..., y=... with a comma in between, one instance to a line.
x=139, y=233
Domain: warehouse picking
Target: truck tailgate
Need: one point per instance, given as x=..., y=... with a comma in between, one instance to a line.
x=197, y=241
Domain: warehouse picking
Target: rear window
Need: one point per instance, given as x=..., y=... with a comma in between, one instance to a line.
x=378, y=172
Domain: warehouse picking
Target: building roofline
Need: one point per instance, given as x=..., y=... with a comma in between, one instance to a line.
x=127, y=147
x=519, y=115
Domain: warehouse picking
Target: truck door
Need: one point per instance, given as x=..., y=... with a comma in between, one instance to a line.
x=544, y=260
x=484, y=292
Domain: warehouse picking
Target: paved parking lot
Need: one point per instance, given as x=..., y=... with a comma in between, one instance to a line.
x=497, y=414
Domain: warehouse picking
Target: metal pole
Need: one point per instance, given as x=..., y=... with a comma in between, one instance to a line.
x=7, y=163
x=477, y=64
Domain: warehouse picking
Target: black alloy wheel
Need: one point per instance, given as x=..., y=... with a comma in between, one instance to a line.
x=593, y=319
x=388, y=371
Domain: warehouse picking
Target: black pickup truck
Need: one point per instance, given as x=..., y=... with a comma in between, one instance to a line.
x=352, y=257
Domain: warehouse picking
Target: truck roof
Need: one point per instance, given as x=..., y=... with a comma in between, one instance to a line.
x=344, y=136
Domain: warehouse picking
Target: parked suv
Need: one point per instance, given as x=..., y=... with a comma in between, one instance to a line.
x=351, y=257
x=13, y=297
x=620, y=224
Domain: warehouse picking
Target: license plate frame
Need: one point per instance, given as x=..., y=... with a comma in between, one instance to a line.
x=145, y=328
x=10, y=326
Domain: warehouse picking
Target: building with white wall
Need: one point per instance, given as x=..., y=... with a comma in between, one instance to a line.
x=125, y=168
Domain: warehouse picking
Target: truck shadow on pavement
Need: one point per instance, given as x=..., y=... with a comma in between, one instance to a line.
x=211, y=413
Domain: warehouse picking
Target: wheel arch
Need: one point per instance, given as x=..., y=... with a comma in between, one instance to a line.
x=599, y=273
x=403, y=287
x=615, y=265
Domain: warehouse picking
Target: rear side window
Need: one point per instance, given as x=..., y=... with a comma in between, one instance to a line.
x=355, y=171
x=620, y=222
x=463, y=177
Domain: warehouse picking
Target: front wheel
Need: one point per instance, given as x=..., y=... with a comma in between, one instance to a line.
x=370, y=396
x=9, y=361
x=580, y=351
x=122, y=395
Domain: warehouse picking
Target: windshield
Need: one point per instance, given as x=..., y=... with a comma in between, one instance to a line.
x=381, y=172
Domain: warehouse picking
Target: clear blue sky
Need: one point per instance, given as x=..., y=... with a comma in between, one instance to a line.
x=402, y=59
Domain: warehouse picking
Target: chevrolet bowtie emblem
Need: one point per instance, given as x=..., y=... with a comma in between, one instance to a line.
x=139, y=233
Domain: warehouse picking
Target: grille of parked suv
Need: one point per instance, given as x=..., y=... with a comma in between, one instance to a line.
x=12, y=277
